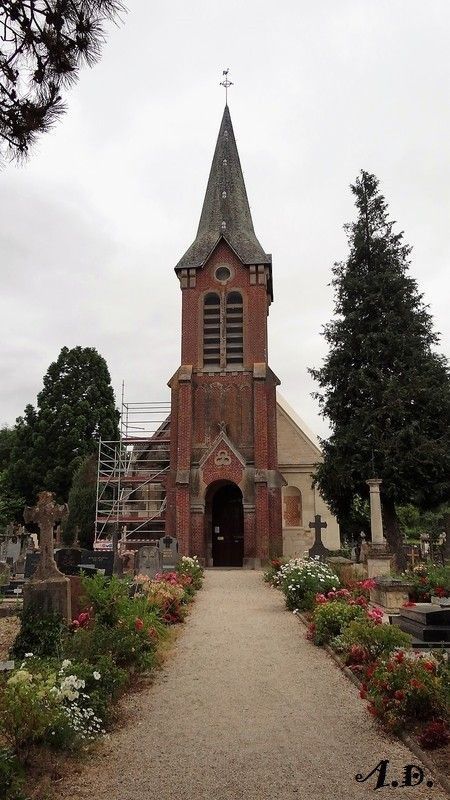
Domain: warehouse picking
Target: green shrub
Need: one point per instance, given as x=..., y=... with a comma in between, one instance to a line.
x=127, y=646
x=428, y=580
x=11, y=775
x=330, y=619
x=407, y=688
x=107, y=597
x=41, y=634
x=28, y=710
x=301, y=580
x=104, y=682
x=377, y=640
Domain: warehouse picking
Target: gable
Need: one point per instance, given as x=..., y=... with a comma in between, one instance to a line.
x=296, y=443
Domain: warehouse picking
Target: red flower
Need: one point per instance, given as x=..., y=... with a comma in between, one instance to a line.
x=361, y=601
x=372, y=710
x=363, y=694
x=320, y=599
x=138, y=624
x=399, y=695
x=415, y=684
x=399, y=657
x=408, y=604
x=429, y=666
x=152, y=633
x=440, y=591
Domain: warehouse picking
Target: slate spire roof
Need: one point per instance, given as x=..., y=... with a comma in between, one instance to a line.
x=225, y=212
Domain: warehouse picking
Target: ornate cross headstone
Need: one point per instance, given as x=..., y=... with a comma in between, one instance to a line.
x=318, y=548
x=48, y=590
x=45, y=514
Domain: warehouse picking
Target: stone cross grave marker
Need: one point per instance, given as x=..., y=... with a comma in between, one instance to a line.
x=149, y=560
x=168, y=546
x=318, y=548
x=48, y=589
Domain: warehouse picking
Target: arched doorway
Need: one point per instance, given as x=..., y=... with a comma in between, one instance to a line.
x=227, y=525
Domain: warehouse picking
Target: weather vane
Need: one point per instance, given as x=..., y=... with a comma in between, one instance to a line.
x=226, y=83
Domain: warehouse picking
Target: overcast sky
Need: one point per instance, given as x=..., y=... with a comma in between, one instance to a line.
x=93, y=224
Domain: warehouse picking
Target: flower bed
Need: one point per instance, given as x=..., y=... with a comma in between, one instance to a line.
x=404, y=691
x=62, y=691
x=428, y=580
x=301, y=579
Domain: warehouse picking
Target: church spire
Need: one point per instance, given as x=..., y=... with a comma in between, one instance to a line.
x=226, y=212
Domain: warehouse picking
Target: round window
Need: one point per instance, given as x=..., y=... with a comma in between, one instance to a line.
x=223, y=274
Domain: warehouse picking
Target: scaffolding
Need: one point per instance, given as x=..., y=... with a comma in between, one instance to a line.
x=132, y=475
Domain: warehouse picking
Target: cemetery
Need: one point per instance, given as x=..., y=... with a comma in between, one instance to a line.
x=201, y=596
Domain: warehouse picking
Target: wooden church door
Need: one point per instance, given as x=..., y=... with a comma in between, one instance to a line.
x=227, y=527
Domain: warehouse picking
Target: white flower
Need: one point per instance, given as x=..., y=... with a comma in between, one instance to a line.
x=66, y=663
x=96, y=676
x=28, y=655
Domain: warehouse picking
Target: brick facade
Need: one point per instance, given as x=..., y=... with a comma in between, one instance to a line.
x=223, y=421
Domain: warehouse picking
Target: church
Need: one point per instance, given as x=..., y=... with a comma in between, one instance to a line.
x=229, y=471
x=239, y=487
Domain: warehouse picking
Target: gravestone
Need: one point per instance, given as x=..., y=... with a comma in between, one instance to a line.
x=102, y=560
x=13, y=548
x=168, y=547
x=48, y=590
x=148, y=561
x=426, y=622
x=318, y=550
x=68, y=559
x=31, y=562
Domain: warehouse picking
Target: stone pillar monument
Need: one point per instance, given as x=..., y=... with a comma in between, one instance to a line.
x=378, y=558
x=48, y=589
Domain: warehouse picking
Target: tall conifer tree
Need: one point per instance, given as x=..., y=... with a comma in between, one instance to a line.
x=74, y=409
x=384, y=388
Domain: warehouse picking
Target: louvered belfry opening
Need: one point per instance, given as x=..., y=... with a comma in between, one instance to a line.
x=235, y=328
x=211, y=330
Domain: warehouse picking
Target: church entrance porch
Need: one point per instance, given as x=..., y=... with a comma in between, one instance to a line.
x=225, y=519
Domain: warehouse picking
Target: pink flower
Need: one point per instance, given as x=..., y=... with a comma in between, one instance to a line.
x=369, y=583
x=320, y=599
x=138, y=624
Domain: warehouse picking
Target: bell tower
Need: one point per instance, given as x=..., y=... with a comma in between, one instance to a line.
x=224, y=487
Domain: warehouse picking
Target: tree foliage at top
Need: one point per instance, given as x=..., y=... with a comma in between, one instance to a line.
x=74, y=409
x=384, y=389
x=43, y=45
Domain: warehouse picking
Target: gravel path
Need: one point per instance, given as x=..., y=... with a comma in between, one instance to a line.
x=245, y=708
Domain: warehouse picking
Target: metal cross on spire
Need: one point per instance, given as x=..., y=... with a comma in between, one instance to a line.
x=226, y=83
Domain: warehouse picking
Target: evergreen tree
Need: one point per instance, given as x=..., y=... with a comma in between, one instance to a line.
x=43, y=44
x=74, y=409
x=82, y=500
x=11, y=503
x=385, y=390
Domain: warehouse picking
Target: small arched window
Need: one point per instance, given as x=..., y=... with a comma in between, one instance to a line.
x=292, y=507
x=211, y=330
x=234, y=329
